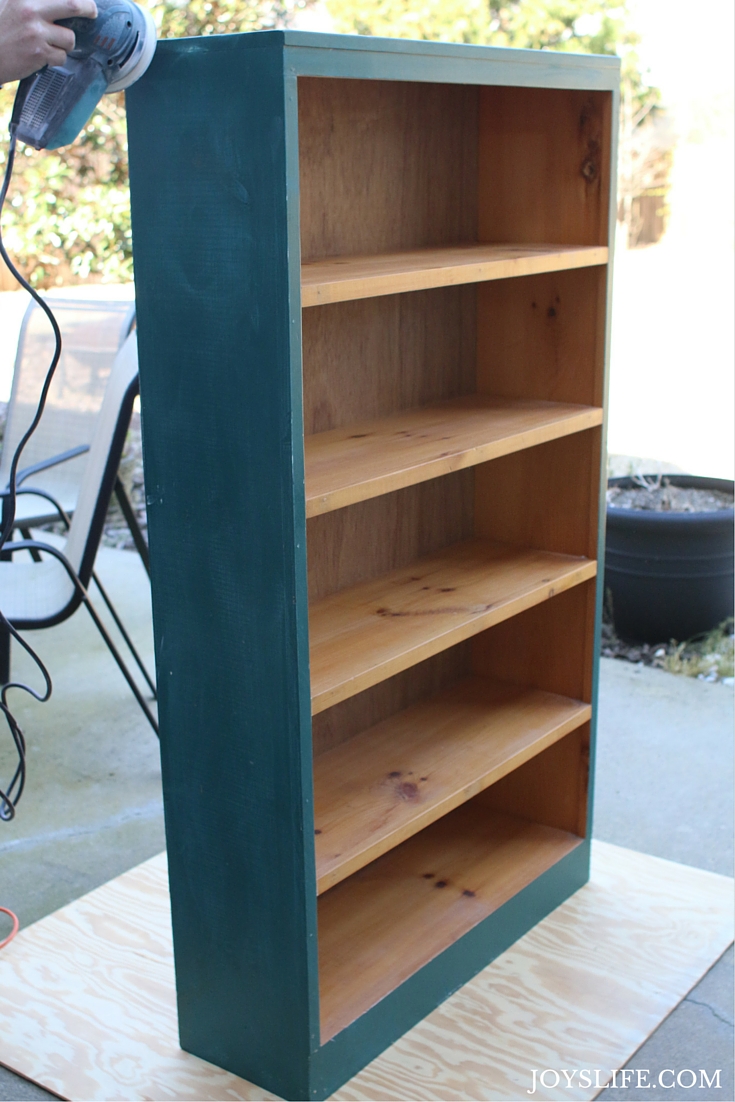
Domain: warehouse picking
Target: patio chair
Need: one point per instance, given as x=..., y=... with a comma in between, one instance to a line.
x=93, y=331
x=50, y=586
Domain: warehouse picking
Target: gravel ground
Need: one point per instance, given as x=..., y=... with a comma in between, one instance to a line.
x=707, y=657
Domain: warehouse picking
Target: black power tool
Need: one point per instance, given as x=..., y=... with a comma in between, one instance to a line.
x=111, y=52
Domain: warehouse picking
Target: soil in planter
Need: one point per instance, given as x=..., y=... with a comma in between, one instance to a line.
x=661, y=497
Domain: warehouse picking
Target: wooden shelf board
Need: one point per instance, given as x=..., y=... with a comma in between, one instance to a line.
x=365, y=460
x=343, y=278
x=369, y=632
x=388, y=920
x=381, y=787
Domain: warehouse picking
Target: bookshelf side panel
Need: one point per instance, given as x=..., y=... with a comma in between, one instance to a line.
x=215, y=220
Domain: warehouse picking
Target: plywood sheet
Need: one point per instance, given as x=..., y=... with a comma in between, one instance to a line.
x=583, y=989
x=87, y=1004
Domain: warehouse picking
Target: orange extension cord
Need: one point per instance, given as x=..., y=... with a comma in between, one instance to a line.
x=14, y=931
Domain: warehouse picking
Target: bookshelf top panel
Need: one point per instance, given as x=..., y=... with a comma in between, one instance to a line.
x=310, y=53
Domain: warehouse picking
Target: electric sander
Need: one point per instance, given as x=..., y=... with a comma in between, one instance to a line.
x=111, y=52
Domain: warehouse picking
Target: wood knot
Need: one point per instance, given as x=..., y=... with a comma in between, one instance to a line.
x=590, y=170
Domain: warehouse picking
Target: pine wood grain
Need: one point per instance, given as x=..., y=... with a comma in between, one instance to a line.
x=543, y=337
x=371, y=358
x=544, y=165
x=525, y=649
x=546, y=496
x=370, y=458
x=385, y=165
x=338, y=279
x=369, y=708
x=374, y=537
x=385, y=922
x=581, y=990
x=367, y=633
x=396, y=778
x=550, y=788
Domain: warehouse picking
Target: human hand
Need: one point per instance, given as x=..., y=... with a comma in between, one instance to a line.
x=30, y=38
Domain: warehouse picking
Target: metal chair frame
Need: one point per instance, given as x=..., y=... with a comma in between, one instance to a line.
x=81, y=579
x=59, y=514
x=126, y=325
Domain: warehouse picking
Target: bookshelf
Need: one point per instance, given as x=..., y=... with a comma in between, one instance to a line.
x=373, y=286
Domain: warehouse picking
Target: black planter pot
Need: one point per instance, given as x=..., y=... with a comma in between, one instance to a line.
x=670, y=575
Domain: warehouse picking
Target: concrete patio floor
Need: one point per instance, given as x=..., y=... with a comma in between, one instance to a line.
x=92, y=808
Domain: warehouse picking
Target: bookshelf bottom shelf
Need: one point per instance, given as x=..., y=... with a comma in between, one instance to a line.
x=392, y=917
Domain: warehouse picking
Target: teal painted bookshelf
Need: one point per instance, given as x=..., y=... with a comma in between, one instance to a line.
x=373, y=293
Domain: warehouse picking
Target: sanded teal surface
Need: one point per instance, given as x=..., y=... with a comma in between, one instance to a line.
x=214, y=182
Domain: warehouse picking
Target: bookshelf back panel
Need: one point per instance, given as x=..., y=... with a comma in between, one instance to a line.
x=544, y=166
x=371, y=538
x=545, y=497
x=549, y=646
x=543, y=336
x=551, y=788
x=374, y=357
x=358, y=713
x=386, y=165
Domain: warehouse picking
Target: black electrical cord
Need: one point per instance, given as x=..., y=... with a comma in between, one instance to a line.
x=10, y=796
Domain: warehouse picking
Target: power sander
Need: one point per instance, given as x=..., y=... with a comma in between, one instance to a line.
x=111, y=52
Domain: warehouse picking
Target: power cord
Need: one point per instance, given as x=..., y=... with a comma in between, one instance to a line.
x=10, y=795
x=14, y=931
